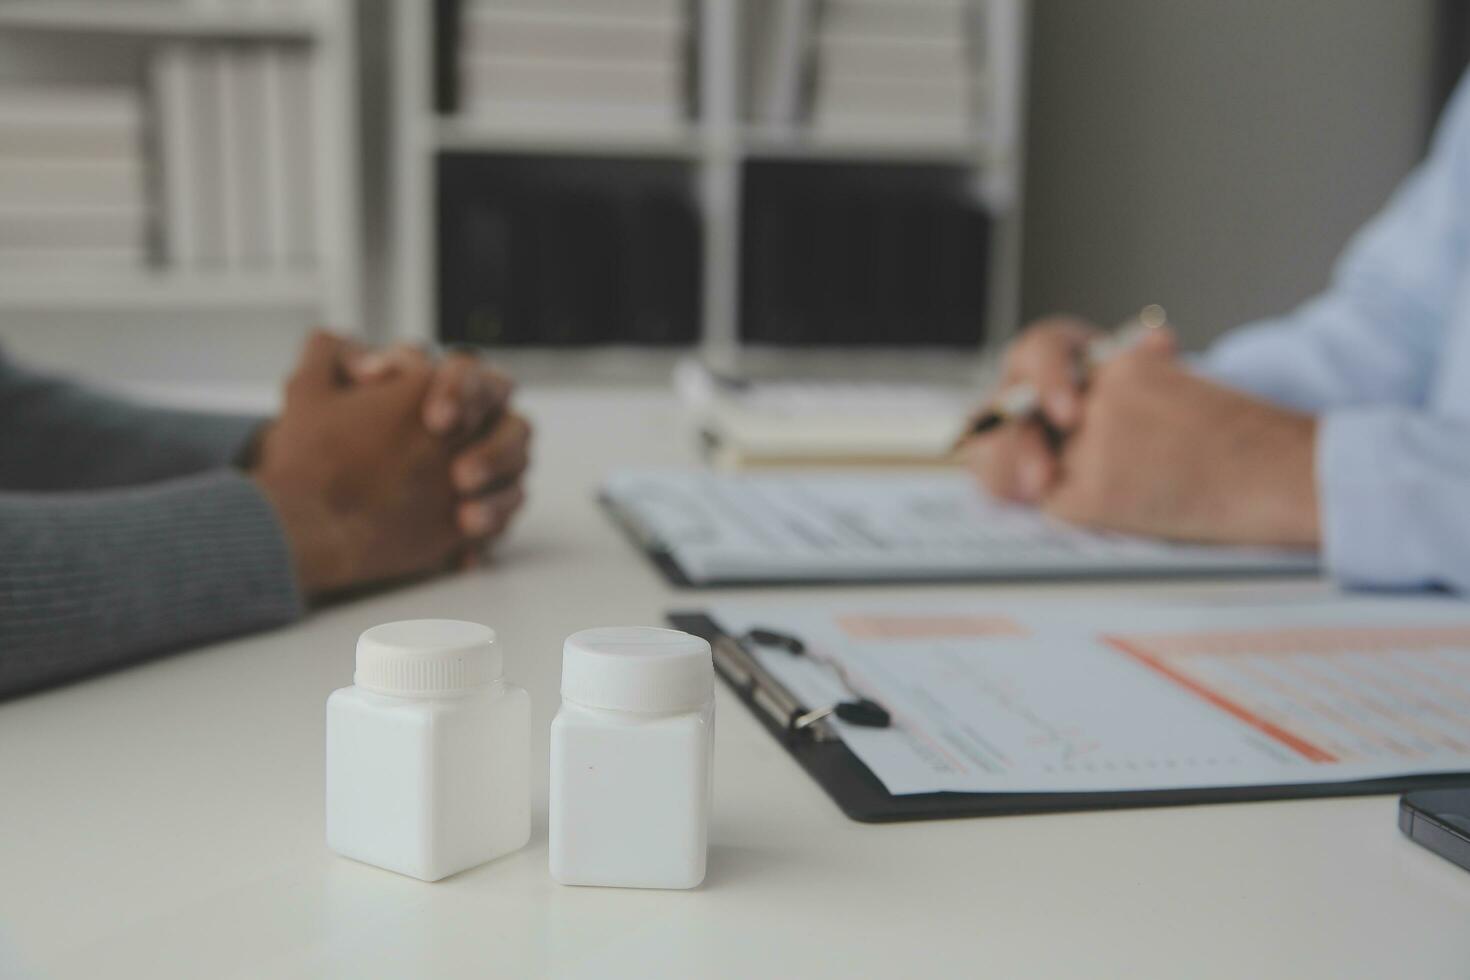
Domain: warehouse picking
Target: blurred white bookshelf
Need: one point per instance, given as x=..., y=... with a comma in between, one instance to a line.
x=243, y=131
x=750, y=93
x=144, y=292
x=162, y=18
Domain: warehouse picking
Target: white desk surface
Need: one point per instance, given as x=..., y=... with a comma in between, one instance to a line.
x=166, y=821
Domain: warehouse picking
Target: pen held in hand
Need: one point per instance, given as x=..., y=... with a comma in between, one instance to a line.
x=1023, y=401
x=1015, y=402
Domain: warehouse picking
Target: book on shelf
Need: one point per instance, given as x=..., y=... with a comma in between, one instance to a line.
x=554, y=118
x=571, y=81
x=569, y=63
x=646, y=9
x=62, y=262
x=896, y=18
x=177, y=176
x=231, y=157
x=253, y=6
x=850, y=256
x=778, y=60
x=72, y=183
x=72, y=193
x=937, y=98
x=234, y=150
x=531, y=259
x=896, y=57
x=496, y=31
x=60, y=121
x=46, y=139
x=33, y=226
x=662, y=243
x=248, y=189
x=895, y=69
x=277, y=173
x=206, y=129
x=891, y=127
x=299, y=114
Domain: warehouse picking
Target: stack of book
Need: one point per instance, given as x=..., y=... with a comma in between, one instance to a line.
x=606, y=63
x=234, y=131
x=895, y=69
x=72, y=193
x=778, y=36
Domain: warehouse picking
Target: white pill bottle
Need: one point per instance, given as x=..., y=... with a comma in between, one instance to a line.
x=631, y=756
x=429, y=752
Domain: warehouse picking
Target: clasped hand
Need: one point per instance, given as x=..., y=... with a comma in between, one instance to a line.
x=387, y=464
x=1146, y=446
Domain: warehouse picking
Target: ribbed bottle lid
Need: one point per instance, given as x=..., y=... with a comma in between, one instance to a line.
x=637, y=668
x=424, y=657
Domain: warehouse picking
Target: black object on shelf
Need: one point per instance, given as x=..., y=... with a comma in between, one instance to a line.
x=446, y=27
x=839, y=254
x=566, y=253
x=663, y=254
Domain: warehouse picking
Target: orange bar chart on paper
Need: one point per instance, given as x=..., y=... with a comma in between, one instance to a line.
x=1131, y=694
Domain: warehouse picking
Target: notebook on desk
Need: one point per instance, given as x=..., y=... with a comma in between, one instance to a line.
x=751, y=423
x=853, y=526
x=1022, y=707
x=851, y=424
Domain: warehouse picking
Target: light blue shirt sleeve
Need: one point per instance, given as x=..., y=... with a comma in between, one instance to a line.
x=1369, y=358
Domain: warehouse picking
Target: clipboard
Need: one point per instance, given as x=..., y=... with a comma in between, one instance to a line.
x=662, y=559
x=903, y=527
x=860, y=795
x=651, y=548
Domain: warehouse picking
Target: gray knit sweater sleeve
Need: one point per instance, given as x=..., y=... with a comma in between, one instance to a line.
x=95, y=580
x=92, y=579
x=57, y=435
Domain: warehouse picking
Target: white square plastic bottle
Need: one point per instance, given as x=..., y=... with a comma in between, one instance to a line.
x=631, y=757
x=428, y=753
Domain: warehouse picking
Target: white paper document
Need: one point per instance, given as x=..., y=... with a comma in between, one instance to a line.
x=1131, y=695
x=873, y=525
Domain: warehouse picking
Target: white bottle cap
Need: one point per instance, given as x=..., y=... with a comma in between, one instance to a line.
x=425, y=657
x=637, y=668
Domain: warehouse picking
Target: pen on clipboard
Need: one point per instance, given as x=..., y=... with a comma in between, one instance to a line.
x=1022, y=401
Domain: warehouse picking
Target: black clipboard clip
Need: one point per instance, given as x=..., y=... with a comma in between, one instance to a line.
x=740, y=667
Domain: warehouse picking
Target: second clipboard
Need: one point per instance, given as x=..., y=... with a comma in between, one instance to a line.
x=860, y=795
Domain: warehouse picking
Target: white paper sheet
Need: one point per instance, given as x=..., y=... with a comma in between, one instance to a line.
x=1068, y=696
x=864, y=525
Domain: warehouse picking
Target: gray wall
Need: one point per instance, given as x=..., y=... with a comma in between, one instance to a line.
x=1213, y=156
